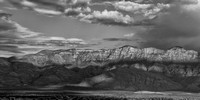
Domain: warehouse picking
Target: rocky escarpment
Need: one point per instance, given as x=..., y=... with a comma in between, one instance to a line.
x=81, y=57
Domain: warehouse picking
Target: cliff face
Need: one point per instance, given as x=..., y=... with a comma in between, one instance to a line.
x=78, y=57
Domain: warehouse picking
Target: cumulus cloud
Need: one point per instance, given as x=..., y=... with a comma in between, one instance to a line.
x=147, y=13
x=146, y=10
x=108, y=17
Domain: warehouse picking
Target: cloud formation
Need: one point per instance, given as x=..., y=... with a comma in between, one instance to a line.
x=83, y=10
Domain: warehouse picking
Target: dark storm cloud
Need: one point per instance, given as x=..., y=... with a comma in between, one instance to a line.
x=179, y=26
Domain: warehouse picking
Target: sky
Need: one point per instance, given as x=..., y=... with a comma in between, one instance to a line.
x=29, y=26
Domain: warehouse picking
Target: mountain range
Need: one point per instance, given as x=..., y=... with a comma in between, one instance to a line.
x=124, y=68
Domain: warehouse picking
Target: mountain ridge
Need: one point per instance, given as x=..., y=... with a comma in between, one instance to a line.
x=81, y=56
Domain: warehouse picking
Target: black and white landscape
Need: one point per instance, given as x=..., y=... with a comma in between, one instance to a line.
x=100, y=49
